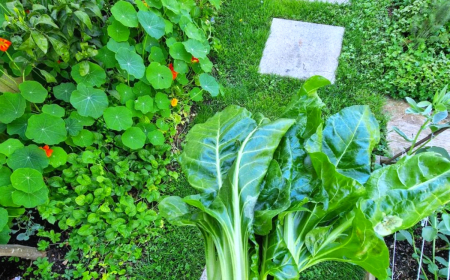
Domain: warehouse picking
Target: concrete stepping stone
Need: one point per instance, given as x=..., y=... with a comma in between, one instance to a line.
x=301, y=50
x=410, y=125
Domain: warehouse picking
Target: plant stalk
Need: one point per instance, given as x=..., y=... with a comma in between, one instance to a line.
x=24, y=252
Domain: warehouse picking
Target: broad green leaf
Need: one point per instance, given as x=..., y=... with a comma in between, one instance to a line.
x=49, y=77
x=209, y=84
x=64, y=91
x=140, y=89
x=157, y=55
x=12, y=107
x=118, y=118
x=153, y=24
x=27, y=180
x=196, y=94
x=46, y=129
x=125, y=92
x=348, y=140
x=4, y=235
x=116, y=46
x=125, y=13
x=206, y=64
x=95, y=77
x=134, y=138
x=6, y=196
x=88, y=101
x=193, y=32
x=19, y=126
x=178, y=51
x=58, y=157
x=211, y=148
x=156, y=137
x=144, y=104
x=40, y=40
x=73, y=126
x=107, y=57
x=30, y=200
x=84, y=18
x=28, y=157
x=162, y=101
x=172, y=5
x=401, y=195
x=54, y=110
x=9, y=146
x=131, y=62
x=5, y=174
x=60, y=48
x=33, y=91
x=160, y=77
x=84, y=138
x=175, y=211
x=3, y=218
x=118, y=31
x=196, y=48
x=180, y=66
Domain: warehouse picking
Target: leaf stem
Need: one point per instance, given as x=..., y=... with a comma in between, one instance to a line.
x=417, y=136
x=144, y=44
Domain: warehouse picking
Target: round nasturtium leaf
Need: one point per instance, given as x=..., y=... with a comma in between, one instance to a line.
x=140, y=89
x=30, y=200
x=12, y=106
x=134, y=138
x=27, y=180
x=9, y=146
x=135, y=113
x=161, y=124
x=131, y=62
x=84, y=139
x=125, y=13
x=160, y=77
x=73, y=126
x=172, y=5
x=209, y=84
x=144, y=104
x=118, y=31
x=125, y=92
x=193, y=32
x=118, y=118
x=107, y=57
x=180, y=66
x=46, y=129
x=58, y=157
x=33, y=91
x=28, y=157
x=146, y=127
x=178, y=51
x=19, y=126
x=115, y=46
x=6, y=196
x=84, y=121
x=153, y=24
x=156, y=137
x=196, y=48
x=63, y=91
x=3, y=218
x=54, y=110
x=95, y=76
x=196, y=94
x=5, y=174
x=206, y=64
x=157, y=55
x=88, y=101
x=162, y=101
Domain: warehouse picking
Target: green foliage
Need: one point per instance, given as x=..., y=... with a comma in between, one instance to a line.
x=278, y=197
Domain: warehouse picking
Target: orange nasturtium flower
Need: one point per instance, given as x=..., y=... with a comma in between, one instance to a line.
x=174, y=73
x=174, y=102
x=194, y=60
x=47, y=150
x=4, y=44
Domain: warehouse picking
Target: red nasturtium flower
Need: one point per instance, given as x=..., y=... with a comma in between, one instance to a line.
x=47, y=150
x=174, y=102
x=59, y=61
x=4, y=44
x=174, y=73
x=194, y=60
x=27, y=11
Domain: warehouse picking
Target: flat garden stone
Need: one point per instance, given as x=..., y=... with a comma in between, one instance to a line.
x=301, y=50
x=410, y=125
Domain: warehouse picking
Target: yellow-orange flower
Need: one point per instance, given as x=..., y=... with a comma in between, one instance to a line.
x=47, y=150
x=4, y=44
x=174, y=102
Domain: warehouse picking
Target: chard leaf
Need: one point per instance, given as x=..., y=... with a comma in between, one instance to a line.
x=211, y=148
x=401, y=195
x=348, y=140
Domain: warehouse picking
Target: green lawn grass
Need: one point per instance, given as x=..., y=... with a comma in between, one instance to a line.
x=243, y=28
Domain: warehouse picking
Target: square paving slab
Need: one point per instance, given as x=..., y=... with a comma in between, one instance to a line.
x=300, y=49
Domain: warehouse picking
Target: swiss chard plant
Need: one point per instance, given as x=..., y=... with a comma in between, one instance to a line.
x=277, y=197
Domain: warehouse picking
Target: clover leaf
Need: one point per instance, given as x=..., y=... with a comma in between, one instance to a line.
x=95, y=76
x=88, y=101
x=125, y=13
x=209, y=84
x=160, y=77
x=131, y=62
x=134, y=138
x=118, y=118
x=46, y=129
x=12, y=107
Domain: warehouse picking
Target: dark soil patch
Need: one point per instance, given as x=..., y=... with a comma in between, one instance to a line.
x=406, y=262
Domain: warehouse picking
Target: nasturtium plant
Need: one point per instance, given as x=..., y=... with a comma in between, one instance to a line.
x=159, y=76
x=89, y=74
x=209, y=84
x=88, y=101
x=131, y=62
x=278, y=197
x=9, y=146
x=33, y=91
x=28, y=157
x=63, y=91
x=118, y=118
x=46, y=129
x=152, y=23
x=54, y=110
x=118, y=31
x=12, y=106
x=144, y=104
x=84, y=138
x=125, y=13
x=134, y=138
